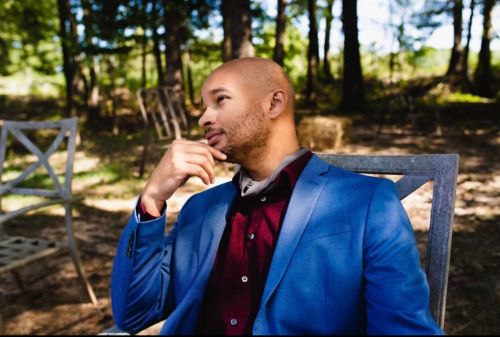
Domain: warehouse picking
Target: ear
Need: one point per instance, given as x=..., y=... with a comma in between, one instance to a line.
x=278, y=103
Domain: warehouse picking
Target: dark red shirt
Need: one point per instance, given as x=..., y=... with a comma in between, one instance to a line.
x=235, y=287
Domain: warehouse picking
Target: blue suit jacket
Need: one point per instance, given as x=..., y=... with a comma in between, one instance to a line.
x=345, y=262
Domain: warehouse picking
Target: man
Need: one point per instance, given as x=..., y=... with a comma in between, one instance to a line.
x=292, y=245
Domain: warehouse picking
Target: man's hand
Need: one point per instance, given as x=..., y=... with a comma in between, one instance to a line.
x=184, y=159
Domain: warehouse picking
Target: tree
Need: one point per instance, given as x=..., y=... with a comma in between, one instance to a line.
x=92, y=99
x=482, y=74
x=457, y=51
x=68, y=61
x=352, y=82
x=175, y=35
x=312, y=55
x=465, y=58
x=279, y=52
x=237, y=26
x=156, y=41
x=327, y=72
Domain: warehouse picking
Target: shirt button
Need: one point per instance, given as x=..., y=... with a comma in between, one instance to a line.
x=233, y=321
x=251, y=236
x=263, y=198
x=244, y=279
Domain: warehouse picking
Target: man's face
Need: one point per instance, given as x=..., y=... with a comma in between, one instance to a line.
x=233, y=119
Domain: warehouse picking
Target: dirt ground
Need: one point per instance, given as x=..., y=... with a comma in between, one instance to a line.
x=54, y=302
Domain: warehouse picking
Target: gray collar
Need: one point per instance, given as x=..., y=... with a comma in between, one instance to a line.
x=249, y=187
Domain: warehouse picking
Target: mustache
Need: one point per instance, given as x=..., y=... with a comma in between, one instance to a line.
x=216, y=130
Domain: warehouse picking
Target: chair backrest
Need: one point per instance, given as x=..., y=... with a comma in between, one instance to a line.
x=416, y=170
x=66, y=135
x=162, y=108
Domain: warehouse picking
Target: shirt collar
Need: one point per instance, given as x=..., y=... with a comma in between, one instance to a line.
x=285, y=175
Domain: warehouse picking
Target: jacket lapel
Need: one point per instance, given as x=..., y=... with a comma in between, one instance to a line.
x=183, y=319
x=300, y=208
x=213, y=226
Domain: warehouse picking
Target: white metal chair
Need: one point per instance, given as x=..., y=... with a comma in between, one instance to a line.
x=19, y=251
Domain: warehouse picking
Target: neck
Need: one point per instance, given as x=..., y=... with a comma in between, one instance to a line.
x=262, y=164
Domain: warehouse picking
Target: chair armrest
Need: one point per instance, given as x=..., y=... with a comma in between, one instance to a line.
x=4, y=217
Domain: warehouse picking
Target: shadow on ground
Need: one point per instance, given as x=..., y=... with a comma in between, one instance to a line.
x=54, y=302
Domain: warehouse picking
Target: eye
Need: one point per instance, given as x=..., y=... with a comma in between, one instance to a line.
x=220, y=99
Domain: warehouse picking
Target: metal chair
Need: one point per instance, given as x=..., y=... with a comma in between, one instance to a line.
x=162, y=110
x=416, y=170
x=19, y=251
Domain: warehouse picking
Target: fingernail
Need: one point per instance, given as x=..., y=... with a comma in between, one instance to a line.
x=224, y=155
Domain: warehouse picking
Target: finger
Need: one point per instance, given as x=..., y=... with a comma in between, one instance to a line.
x=198, y=171
x=195, y=148
x=217, y=153
x=198, y=157
x=204, y=163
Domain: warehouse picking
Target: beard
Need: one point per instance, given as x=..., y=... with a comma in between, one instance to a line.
x=249, y=135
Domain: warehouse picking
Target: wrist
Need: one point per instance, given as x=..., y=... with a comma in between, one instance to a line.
x=151, y=205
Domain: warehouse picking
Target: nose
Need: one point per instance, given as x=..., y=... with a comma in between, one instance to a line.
x=207, y=119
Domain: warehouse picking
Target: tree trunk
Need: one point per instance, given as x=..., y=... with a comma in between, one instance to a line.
x=482, y=74
x=465, y=59
x=326, y=50
x=237, y=24
x=68, y=68
x=189, y=76
x=92, y=100
x=156, y=44
x=279, y=51
x=174, y=26
x=144, y=43
x=312, y=55
x=457, y=51
x=352, y=83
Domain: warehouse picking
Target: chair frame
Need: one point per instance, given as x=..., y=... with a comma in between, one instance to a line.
x=61, y=194
x=163, y=113
x=416, y=170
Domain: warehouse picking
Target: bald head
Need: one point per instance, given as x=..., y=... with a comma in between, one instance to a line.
x=248, y=114
x=261, y=75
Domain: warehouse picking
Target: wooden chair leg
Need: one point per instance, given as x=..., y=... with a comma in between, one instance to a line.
x=145, y=148
x=74, y=254
x=2, y=305
x=19, y=280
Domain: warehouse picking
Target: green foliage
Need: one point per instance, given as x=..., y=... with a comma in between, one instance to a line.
x=27, y=36
x=424, y=62
x=460, y=97
x=206, y=55
x=31, y=61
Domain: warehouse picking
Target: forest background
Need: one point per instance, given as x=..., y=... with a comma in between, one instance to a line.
x=401, y=89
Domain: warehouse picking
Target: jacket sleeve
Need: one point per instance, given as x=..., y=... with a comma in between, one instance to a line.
x=140, y=280
x=396, y=290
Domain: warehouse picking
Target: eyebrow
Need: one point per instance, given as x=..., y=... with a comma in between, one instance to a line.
x=217, y=90
x=214, y=92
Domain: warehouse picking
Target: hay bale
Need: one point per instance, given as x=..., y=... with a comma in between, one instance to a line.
x=321, y=133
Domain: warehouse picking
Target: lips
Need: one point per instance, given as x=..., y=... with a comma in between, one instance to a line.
x=213, y=137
